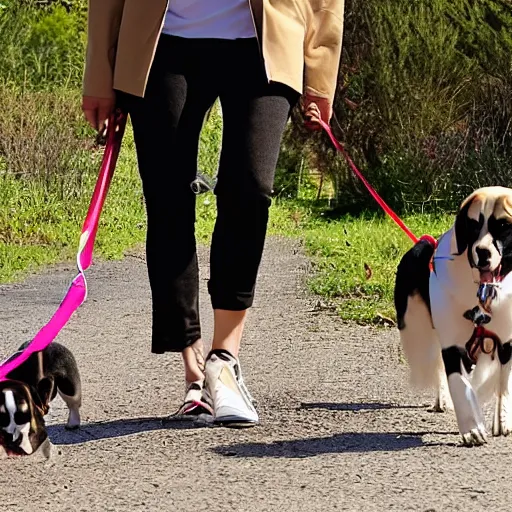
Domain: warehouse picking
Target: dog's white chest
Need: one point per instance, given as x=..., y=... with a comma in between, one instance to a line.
x=452, y=285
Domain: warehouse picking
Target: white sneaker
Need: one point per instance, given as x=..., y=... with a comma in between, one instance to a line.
x=232, y=403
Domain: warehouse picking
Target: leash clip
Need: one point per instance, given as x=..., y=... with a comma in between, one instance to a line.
x=485, y=294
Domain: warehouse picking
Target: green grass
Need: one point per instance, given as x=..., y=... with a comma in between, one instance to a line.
x=40, y=226
x=40, y=223
x=40, y=220
x=343, y=248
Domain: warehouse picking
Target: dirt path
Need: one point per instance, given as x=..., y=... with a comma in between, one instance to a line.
x=340, y=429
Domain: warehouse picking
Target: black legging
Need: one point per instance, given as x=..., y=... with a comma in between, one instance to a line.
x=186, y=78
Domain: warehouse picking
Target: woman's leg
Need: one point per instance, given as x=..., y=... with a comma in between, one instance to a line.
x=167, y=124
x=255, y=114
x=253, y=128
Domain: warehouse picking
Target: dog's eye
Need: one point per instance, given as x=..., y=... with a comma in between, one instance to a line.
x=503, y=224
x=500, y=225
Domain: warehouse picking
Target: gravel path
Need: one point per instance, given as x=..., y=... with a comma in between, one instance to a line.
x=340, y=428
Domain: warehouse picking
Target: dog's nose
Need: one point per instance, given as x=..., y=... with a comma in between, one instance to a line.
x=484, y=255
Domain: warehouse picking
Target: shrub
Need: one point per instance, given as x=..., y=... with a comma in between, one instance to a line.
x=40, y=138
x=424, y=103
x=41, y=48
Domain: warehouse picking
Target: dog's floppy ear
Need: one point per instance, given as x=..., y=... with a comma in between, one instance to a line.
x=45, y=391
x=507, y=204
x=460, y=236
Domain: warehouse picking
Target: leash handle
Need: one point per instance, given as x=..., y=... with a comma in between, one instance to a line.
x=77, y=291
x=115, y=132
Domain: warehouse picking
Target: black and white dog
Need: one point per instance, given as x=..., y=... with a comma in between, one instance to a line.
x=442, y=313
x=25, y=399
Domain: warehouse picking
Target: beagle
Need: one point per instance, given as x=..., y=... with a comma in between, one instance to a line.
x=26, y=395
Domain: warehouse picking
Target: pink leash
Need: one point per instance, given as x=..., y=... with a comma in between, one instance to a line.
x=429, y=238
x=77, y=292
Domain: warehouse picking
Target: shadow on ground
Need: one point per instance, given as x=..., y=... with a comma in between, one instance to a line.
x=350, y=442
x=369, y=406
x=116, y=428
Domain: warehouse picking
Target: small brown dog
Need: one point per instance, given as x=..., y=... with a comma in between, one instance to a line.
x=25, y=399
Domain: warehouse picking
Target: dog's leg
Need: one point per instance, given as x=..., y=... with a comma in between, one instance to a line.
x=422, y=350
x=74, y=403
x=443, y=401
x=423, y=353
x=502, y=421
x=46, y=449
x=485, y=377
x=467, y=409
x=73, y=400
x=454, y=331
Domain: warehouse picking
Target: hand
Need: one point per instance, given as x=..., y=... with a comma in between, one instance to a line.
x=98, y=110
x=315, y=108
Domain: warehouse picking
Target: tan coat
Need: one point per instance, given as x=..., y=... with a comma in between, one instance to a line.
x=300, y=41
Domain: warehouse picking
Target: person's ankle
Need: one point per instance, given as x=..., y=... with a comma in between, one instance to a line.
x=231, y=347
x=193, y=361
x=228, y=330
x=191, y=377
x=220, y=352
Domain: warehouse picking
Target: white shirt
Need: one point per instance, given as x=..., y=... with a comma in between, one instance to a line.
x=219, y=19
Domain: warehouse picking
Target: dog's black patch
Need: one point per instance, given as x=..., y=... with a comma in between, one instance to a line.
x=467, y=231
x=501, y=231
x=412, y=276
x=477, y=316
x=505, y=352
x=452, y=357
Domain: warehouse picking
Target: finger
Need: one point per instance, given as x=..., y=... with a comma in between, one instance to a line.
x=103, y=115
x=312, y=126
x=327, y=114
x=91, y=115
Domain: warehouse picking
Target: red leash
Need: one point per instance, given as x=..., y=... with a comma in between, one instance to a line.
x=429, y=238
x=476, y=343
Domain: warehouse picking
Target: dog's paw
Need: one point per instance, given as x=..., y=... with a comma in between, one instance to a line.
x=443, y=403
x=45, y=451
x=502, y=421
x=475, y=437
x=467, y=411
x=438, y=407
x=73, y=420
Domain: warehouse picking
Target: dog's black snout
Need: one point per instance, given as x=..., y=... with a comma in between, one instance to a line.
x=484, y=256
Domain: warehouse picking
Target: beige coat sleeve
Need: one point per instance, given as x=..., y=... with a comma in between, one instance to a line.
x=322, y=50
x=104, y=20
